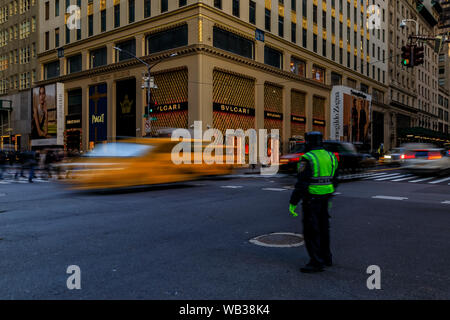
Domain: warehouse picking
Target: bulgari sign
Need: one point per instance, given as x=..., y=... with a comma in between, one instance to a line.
x=233, y=109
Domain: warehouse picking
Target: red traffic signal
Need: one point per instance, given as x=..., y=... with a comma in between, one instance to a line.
x=408, y=56
x=418, y=55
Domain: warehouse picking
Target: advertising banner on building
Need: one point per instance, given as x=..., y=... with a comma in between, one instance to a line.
x=98, y=106
x=350, y=115
x=126, y=108
x=47, y=122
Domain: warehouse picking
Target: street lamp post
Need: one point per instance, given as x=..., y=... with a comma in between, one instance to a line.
x=149, y=68
x=404, y=21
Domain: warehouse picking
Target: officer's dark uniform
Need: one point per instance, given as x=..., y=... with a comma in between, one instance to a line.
x=316, y=191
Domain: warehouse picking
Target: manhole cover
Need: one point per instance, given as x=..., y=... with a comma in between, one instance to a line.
x=279, y=240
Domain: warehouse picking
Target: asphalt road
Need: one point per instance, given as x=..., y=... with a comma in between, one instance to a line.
x=191, y=241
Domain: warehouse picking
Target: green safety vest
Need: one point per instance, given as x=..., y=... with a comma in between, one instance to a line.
x=323, y=165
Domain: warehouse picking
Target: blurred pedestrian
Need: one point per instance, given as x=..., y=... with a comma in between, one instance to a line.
x=3, y=161
x=50, y=158
x=20, y=165
x=317, y=180
x=31, y=160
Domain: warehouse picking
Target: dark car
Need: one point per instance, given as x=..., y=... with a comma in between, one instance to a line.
x=289, y=162
x=350, y=160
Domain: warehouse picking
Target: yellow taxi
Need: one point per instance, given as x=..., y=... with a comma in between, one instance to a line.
x=138, y=162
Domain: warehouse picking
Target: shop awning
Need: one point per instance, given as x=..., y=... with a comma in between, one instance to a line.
x=422, y=133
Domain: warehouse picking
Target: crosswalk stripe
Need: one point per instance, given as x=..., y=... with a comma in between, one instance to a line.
x=438, y=181
x=274, y=189
x=407, y=178
x=375, y=176
x=389, y=198
x=391, y=176
x=423, y=179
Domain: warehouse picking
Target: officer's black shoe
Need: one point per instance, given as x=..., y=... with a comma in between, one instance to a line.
x=311, y=269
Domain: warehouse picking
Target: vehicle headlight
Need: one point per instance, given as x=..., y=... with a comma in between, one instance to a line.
x=387, y=157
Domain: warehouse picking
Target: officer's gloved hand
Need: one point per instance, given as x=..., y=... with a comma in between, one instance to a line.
x=292, y=208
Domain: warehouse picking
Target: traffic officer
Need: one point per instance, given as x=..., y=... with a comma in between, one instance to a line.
x=316, y=184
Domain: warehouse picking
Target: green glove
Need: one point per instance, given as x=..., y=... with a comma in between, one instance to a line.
x=292, y=208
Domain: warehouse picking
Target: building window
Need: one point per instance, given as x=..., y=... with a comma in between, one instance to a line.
x=324, y=47
x=56, y=8
x=74, y=64
x=304, y=8
x=281, y=26
x=273, y=57
x=47, y=40
x=147, y=8
x=164, y=5
x=315, y=14
x=47, y=10
x=267, y=19
x=252, y=12
x=336, y=79
x=293, y=32
x=233, y=43
x=91, y=25
x=318, y=74
x=117, y=15
x=315, y=43
x=56, y=37
x=167, y=39
x=103, y=20
x=98, y=57
x=298, y=67
x=304, y=38
x=218, y=4
x=128, y=46
x=236, y=8
x=182, y=3
x=131, y=14
x=51, y=70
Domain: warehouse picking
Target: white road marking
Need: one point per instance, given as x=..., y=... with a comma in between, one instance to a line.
x=337, y=193
x=393, y=176
x=445, y=202
x=420, y=180
x=263, y=244
x=232, y=187
x=375, y=176
x=441, y=180
x=389, y=198
x=274, y=189
x=408, y=176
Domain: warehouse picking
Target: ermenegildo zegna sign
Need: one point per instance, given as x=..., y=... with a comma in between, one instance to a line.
x=273, y=115
x=171, y=107
x=233, y=109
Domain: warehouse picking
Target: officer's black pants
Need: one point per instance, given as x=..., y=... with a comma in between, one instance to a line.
x=316, y=230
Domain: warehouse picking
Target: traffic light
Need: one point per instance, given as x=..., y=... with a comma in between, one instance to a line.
x=418, y=56
x=407, y=56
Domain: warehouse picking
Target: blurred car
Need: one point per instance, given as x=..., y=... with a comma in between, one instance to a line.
x=137, y=162
x=395, y=156
x=290, y=161
x=427, y=161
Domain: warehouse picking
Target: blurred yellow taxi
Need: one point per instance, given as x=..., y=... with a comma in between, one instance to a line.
x=138, y=162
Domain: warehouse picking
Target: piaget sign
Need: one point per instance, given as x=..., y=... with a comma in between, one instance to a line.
x=98, y=119
x=219, y=107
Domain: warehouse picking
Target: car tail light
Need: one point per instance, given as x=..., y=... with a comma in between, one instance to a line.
x=337, y=155
x=296, y=159
x=434, y=156
x=408, y=156
x=402, y=156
